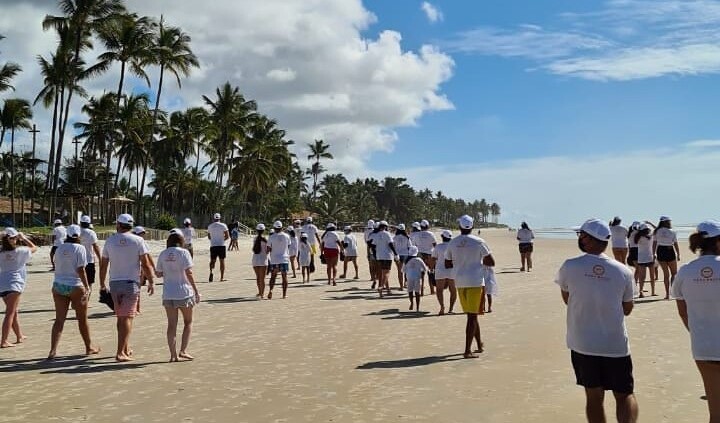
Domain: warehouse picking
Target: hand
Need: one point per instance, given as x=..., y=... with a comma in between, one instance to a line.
x=151, y=287
x=197, y=297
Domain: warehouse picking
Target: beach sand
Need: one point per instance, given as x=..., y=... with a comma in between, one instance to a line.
x=340, y=354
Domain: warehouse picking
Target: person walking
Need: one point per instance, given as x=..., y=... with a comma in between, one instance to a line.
x=313, y=238
x=425, y=241
x=350, y=249
x=667, y=251
x=465, y=255
x=443, y=275
x=188, y=233
x=370, y=229
x=278, y=247
x=89, y=240
x=218, y=233
x=646, y=257
x=71, y=287
x=180, y=294
x=15, y=252
x=141, y=232
x=598, y=292
x=525, y=237
x=384, y=251
x=331, y=249
x=402, y=243
x=293, y=249
x=304, y=257
x=260, y=259
x=58, y=237
x=124, y=256
x=696, y=289
x=619, y=240
x=414, y=270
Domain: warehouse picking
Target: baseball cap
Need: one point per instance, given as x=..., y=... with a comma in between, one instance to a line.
x=175, y=231
x=597, y=229
x=57, y=222
x=416, y=225
x=643, y=226
x=187, y=220
x=11, y=232
x=348, y=228
x=138, y=230
x=371, y=224
x=382, y=223
x=303, y=235
x=308, y=219
x=260, y=227
x=446, y=234
x=665, y=218
x=297, y=221
x=73, y=231
x=85, y=219
x=413, y=251
x=330, y=226
x=125, y=219
x=290, y=228
x=278, y=224
x=424, y=223
x=401, y=227
x=466, y=222
x=217, y=216
x=710, y=227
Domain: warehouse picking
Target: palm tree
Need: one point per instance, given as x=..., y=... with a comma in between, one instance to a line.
x=495, y=211
x=7, y=72
x=318, y=150
x=134, y=121
x=16, y=113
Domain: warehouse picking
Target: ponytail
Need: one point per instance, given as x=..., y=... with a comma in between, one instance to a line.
x=699, y=242
x=257, y=245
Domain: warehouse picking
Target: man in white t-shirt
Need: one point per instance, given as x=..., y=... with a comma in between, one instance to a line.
x=125, y=254
x=89, y=240
x=312, y=232
x=218, y=233
x=465, y=255
x=188, y=233
x=598, y=292
x=382, y=244
x=278, y=247
x=59, y=234
x=425, y=241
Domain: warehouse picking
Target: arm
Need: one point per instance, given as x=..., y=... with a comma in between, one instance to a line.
x=104, y=261
x=677, y=250
x=565, y=296
x=682, y=311
x=26, y=240
x=488, y=260
x=627, y=307
x=83, y=277
x=191, y=279
x=96, y=250
x=226, y=235
x=147, y=268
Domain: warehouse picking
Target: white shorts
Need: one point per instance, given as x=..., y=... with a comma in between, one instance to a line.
x=414, y=285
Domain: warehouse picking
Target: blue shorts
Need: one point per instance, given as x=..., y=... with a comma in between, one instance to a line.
x=281, y=267
x=62, y=290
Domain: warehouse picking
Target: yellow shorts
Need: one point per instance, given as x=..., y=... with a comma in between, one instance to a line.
x=313, y=249
x=471, y=299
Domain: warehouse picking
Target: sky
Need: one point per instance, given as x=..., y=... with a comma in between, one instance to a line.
x=557, y=110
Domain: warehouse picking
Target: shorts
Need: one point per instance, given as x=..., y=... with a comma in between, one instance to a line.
x=650, y=264
x=414, y=285
x=63, y=290
x=425, y=256
x=384, y=264
x=188, y=302
x=525, y=247
x=403, y=259
x=52, y=250
x=6, y=293
x=666, y=253
x=280, y=267
x=125, y=295
x=632, y=256
x=609, y=373
x=313, y=249
x=218, y=252
x=471, y=299
x=90, y=273
x=331, y=252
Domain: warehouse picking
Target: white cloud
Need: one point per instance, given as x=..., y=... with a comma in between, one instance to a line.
x=282, y=75
x=703, y=144
x=432, y=12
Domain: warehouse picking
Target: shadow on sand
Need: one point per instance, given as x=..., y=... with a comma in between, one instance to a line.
x=232, y=300
x=70, y=364
x=410, y=362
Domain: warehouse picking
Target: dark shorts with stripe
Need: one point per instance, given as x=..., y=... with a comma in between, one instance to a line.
x=609, y=373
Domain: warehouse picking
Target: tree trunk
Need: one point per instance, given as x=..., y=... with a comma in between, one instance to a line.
x=12, y=173
x=51, y=157
x=2, y=135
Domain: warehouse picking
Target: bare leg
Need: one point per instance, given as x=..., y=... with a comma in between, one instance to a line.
x=410, y=295
x=222, y=270
x=666, y=278
x=641, y=277
x=440, y=291
x=417, y=302
x=62, y=304
x=80, y=304
x=273, y=275
x=187, y=313
x=212, y=267
x=124, y=328
x=470, y=330
x=489, y=303
x=344, y=273
x=710, y=372
x=453, y=293
x=594, y=410
x=522, y=262
x=626, y=408
x=529, y=261
x=355, y=265
x=12, y=302
x=284, y=284
x=172, y=319
x=399, y=266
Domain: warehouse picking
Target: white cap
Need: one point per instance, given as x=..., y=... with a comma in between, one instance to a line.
x=710, y=227
x=330, y=226
x=85, y=219
x=416, y=225
x=125, y=219
x=665, y=218
x=260, y=227
x=290, y=228
x=466, y=222
x=413, y=251
x=635, y=224
x=401, y=227
x=382, y=223
x=216, y=216
x=11, y=232
x=643, y=226
x=138, y=230
x=175, y=231
x=308, y=219
x=73, y=231
x=446, y=234
x=278, y=224
x=424, y=224
x=347, y=229
x=297, y=221
x=187, y=220
x=597, y=229
x=303, y=235
x=57, y=222
x=371, y=224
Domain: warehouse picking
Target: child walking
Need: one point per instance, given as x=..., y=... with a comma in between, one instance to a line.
x=414, y=271
x=304, y=256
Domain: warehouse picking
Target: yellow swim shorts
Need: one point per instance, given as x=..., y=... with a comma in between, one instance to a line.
x=313, y=249
x=471, y=299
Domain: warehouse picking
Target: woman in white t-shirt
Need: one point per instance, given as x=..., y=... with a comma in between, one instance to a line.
x=180, y=293
x=632, y=247
x=619, y=240
x=293, y=249
x=646, y=257
x=331, y=248
x=304, y=257
x=13, y=258
x=443, y=275
x=351, y=251
x=260, y=259
x=667, y=251
x=71, y=286
x=697, y=291
x=525, y=237
x=402, y=243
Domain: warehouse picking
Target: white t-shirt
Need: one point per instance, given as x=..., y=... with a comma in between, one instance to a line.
x=424, y=241
x=304, y=254
x=618, y=236
x=311, y=231
x=665, y=237
x=261, y=258
x=402, y=244
x=124, y=251
x=351, y=249
x=217, y=230
x=368, y=232
x=12, y=269
x=189, y=234
x=414, y=269
x=330, y=240
x=525, y=235
x=698, y=284
x=173, y=262
x=645, y=250
x=597, y=286
x=382, y=240
x=293, y=251
x=467, y=253
x=68, y=258
x=88, y=238
x=279, y=244
x=441, y=272
x=60, y=233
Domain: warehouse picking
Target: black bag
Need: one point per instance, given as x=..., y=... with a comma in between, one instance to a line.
x=342, y=256
x=311, y=268
x=322, y=259
x=106, y=298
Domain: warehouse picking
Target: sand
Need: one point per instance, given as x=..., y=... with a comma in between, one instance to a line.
x=339, y=354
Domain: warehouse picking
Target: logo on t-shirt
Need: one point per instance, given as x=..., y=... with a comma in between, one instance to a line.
x=170, y=257
x=706, y=272
x=598, y=270
x=122, y=242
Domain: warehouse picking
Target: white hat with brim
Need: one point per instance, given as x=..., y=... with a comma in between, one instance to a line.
x=260, y=227
x=278, y=224
x=665, y=218
x=371, y=224
x=382, y=223
x=303, y=235
x=125, y=219
x=11, y=232
x=596, y=228
x=347, y=229
x=416, y=225
x=57, y=222
x=187, y=220
x=138, y=230
x=466, y=222
x=401, y=227
x=174, y=231
x=73, y=231
x=85, y=219
x=217, y=216
x=446, y=234
x=330, y=226
x=710, y=228
x=424, y=223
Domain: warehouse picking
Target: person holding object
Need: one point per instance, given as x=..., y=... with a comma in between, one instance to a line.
x=14, y=257
x=598, y=292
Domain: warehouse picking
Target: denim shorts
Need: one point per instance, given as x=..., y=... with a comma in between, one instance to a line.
x=125, y=295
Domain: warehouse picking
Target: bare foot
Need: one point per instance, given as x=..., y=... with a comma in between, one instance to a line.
x=442, y=311
x=123, y=358
x=411, y=306
x=186, y=356
x=470, y=355
x=269, y=297
x=92, y=351
x=21, y=339
x=174, y=360
x=7, y=345
x=223, y=280
x=489, y=310
x=51, y=355
x=480, y=349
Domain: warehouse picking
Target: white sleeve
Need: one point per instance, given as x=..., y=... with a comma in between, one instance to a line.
x=676, y=287
x=561, y=278
x=629, y=288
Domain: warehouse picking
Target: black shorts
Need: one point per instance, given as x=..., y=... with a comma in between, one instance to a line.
x=525, y=247
x=90, y=273
x=609, y=373
x=666, y=253
x=52, y=250
x=6, y=293
x=218, y=252
x=632, y=256
x=384, y=264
